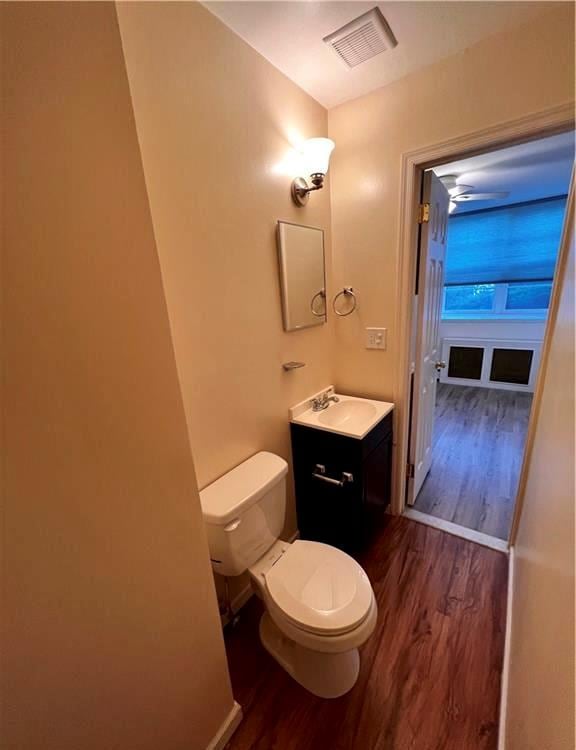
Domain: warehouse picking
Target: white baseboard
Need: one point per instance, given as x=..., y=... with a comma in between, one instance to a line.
x=453, y=528
x=241, y=598
x=237, y=603
x=229, y=726
x=245, y=594
x=507, y=647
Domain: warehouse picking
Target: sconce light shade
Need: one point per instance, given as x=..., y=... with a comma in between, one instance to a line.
x=316, y=154
x=316, y=157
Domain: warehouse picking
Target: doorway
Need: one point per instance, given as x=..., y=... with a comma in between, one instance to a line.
x=488, y=240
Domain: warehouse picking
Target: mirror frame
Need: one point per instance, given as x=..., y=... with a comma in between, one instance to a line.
x=322, y=320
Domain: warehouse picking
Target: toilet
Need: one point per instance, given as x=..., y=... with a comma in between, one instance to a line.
x=320, y=606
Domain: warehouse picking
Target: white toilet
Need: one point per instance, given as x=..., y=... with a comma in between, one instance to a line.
x=320, y=606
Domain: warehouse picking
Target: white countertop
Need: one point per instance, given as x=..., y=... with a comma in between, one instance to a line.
x=350, y=416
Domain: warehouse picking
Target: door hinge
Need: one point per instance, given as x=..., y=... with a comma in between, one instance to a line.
x=423, y=213
x=409, y=471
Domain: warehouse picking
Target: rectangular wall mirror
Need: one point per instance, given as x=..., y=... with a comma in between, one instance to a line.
x=302, y=275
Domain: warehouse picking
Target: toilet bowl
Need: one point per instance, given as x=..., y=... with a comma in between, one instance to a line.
x=320, y=606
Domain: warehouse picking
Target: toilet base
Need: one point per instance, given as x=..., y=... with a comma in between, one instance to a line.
x=324, y=675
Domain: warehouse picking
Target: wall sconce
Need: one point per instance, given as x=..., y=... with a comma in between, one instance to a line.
x=316, y=156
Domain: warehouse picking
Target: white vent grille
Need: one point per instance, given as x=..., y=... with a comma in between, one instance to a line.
x=365, y=37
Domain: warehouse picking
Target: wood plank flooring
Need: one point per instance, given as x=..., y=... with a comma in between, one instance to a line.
x=479, y=437
x=429, y=675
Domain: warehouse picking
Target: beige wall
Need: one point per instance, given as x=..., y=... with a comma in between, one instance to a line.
x=112, y=630
x=112, y=637
x=215, y=123
x=541, y=696
x=506, y=76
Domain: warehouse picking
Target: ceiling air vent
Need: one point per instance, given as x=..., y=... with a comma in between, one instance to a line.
x=363, y=38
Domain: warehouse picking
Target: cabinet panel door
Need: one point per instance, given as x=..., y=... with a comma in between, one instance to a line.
x=377, y=476
x=332, y=514
x=341, y=515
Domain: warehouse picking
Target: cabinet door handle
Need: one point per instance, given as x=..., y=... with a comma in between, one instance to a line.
x=320, y=473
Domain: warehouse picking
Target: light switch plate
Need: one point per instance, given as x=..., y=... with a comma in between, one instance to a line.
x=375, y=338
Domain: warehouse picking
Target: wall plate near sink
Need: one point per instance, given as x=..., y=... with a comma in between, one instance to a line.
x=349, y=415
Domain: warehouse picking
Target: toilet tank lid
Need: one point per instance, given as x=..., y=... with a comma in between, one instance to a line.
x=232, y=494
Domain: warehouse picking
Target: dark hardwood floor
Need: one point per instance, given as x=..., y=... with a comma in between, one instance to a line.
x=430, y=673
x=479, y=437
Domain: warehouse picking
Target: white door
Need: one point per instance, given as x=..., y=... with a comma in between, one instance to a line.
x=432, y=253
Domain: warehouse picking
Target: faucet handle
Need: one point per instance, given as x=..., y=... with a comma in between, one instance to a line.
x=319, y=402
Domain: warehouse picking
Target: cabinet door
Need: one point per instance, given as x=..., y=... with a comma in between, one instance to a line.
x=345, y=515
x=327, y=512
x=333, y=514
x=377, y=481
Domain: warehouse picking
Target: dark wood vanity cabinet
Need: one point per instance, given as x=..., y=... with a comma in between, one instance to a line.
x=342, y=514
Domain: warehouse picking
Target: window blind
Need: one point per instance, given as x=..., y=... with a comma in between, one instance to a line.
x=506, y=244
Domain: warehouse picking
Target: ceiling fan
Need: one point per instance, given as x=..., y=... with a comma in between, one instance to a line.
x=460, y=193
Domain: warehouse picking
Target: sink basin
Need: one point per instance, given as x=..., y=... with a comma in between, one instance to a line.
x=350, y=415
x=347, y=412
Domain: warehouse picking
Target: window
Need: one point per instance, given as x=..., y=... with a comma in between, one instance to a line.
x=529, y=299
x=531, y=296
x=472, y=297
x=506, y=244
x=500, y=261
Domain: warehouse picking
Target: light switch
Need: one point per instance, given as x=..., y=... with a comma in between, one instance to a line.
x=375, y=338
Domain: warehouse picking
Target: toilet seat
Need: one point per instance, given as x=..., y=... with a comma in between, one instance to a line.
x=319, y=589
x=320, y=607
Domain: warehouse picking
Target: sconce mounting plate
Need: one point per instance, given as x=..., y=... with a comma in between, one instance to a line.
x=300, y=191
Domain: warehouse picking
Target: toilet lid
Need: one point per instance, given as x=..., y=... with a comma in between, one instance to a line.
x=319, y=588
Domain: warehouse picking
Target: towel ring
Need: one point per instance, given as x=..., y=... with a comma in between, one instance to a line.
x=322, y=294
x=347, y=292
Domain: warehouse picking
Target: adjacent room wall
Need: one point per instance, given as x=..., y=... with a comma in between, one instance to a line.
x=491, y=332
x=540, y=700
x=509, y=330
x=111, y=629
x=514, y=73
x=216, y=122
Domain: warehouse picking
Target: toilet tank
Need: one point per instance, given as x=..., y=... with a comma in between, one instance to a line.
x=244, y=512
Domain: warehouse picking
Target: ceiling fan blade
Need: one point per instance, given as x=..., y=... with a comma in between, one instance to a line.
x=459, y=190
x=481, y=196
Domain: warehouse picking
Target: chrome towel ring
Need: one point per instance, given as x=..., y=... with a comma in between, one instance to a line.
x=322, y=295
x=349, y=293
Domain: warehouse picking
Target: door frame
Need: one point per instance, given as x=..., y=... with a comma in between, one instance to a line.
x=531, y=127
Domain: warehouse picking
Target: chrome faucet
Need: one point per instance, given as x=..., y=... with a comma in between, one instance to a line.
x=323, y=401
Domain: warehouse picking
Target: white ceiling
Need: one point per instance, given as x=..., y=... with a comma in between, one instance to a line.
x=289, y=35
x=538, y=169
